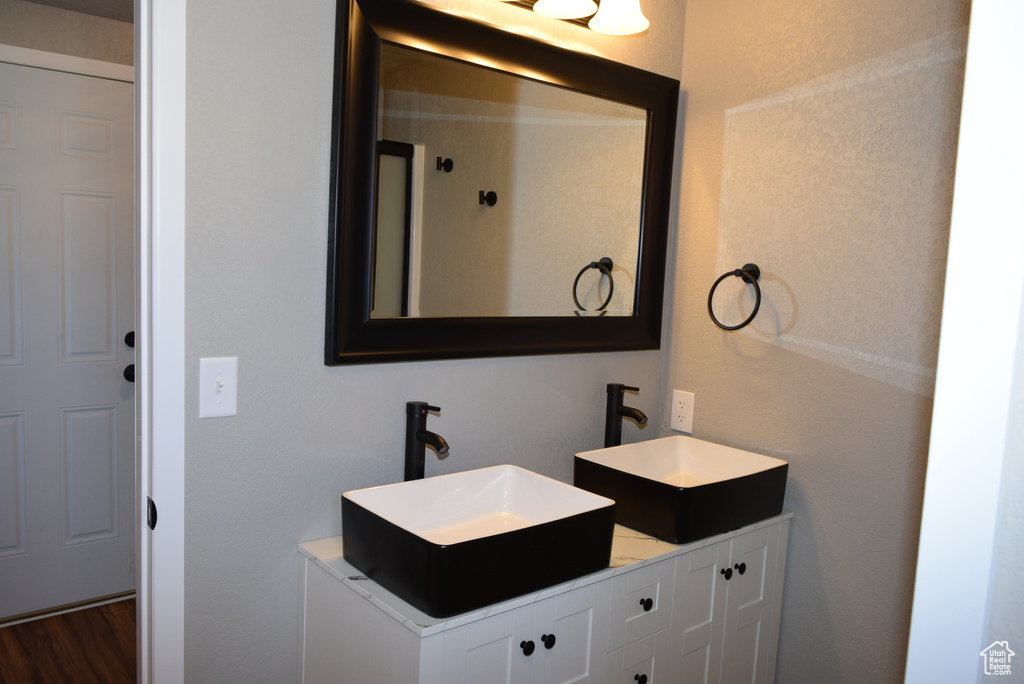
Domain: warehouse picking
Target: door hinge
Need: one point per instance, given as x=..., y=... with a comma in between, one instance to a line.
x=150, y=513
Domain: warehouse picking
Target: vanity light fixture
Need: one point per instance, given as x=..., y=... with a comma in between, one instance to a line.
x=613, y=17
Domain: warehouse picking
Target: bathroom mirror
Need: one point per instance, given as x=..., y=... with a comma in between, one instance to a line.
x=491, y=194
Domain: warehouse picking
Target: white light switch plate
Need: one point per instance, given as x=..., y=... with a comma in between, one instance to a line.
x=218, y=387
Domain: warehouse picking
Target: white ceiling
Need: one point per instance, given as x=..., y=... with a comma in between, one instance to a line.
x=120, y=10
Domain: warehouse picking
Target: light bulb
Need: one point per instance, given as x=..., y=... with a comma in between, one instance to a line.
x=565, y=9
x=619, y=18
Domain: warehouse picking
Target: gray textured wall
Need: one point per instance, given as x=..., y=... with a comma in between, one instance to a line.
x=838, y=385
x=257, y=484
x=39, y=27
x=820, y=143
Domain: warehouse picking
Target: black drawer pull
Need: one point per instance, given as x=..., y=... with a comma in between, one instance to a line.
x=549, y=641
x=641, y=679
x=527, y=647
x=647, y=604
x=728, y=573
x=742, y=567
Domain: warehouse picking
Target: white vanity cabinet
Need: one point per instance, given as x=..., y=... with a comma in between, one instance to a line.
x=660, y=613
x=355, y=634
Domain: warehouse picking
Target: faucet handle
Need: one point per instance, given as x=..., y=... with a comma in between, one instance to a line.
x=619, y=387
x=413, y=408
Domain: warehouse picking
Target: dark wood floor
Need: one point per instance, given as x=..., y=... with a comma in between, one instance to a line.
x=93, y=645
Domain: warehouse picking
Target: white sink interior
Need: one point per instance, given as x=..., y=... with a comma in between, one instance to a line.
x=682, y=461
x=448, y=509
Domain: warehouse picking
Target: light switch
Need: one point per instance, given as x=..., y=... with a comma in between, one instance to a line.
x=218, y=387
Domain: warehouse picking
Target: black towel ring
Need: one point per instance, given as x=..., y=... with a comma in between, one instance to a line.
x=605, y=266
x=750, y=274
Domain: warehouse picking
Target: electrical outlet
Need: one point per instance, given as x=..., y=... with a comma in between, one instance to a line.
x=682, y=411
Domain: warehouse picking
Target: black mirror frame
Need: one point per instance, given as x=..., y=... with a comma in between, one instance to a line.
x=352, y=337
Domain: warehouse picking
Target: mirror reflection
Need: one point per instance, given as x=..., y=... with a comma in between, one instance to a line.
x=566, y=172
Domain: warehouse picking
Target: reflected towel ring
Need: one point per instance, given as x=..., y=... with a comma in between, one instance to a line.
x=750, y=274
x=605, y=266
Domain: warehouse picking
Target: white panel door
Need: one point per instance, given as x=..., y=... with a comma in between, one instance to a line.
x=67, y=460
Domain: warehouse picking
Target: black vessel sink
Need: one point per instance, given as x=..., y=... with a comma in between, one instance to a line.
x=680, y=489
x=454, y=543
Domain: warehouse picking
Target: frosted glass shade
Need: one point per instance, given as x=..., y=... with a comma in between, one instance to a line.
x=565, y=9
x=619, y=18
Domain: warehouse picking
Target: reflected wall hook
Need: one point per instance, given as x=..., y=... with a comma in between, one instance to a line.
x=445, y=165
x=750, y=274
x=488, y=198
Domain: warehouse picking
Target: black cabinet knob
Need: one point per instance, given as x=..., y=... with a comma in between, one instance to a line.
x=527, y=647
x=728, y=573
x=129, y=372
x=129, y=339
x=640, y=678
x=549, y=640
x=647, y=604
x=742, y=567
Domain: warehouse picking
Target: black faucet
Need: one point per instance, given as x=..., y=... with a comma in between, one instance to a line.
x=417, y=438
x=615, y=411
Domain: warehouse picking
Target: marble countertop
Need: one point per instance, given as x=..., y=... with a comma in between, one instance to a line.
x=630, y=550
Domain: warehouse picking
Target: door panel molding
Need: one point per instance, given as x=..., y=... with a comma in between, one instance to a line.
x=90, y=460
x=11, y=339
x=40, y=59
x=88, y=276
x=12, y=473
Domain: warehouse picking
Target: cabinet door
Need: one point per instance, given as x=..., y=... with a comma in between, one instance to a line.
x=345, y=638
x=488, y=651
x=641, y=603
x=563, y=632
x=748, y=609
x=698, y=614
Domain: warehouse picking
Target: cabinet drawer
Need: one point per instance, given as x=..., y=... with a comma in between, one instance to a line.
x=641, y=603
x=634, y=663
